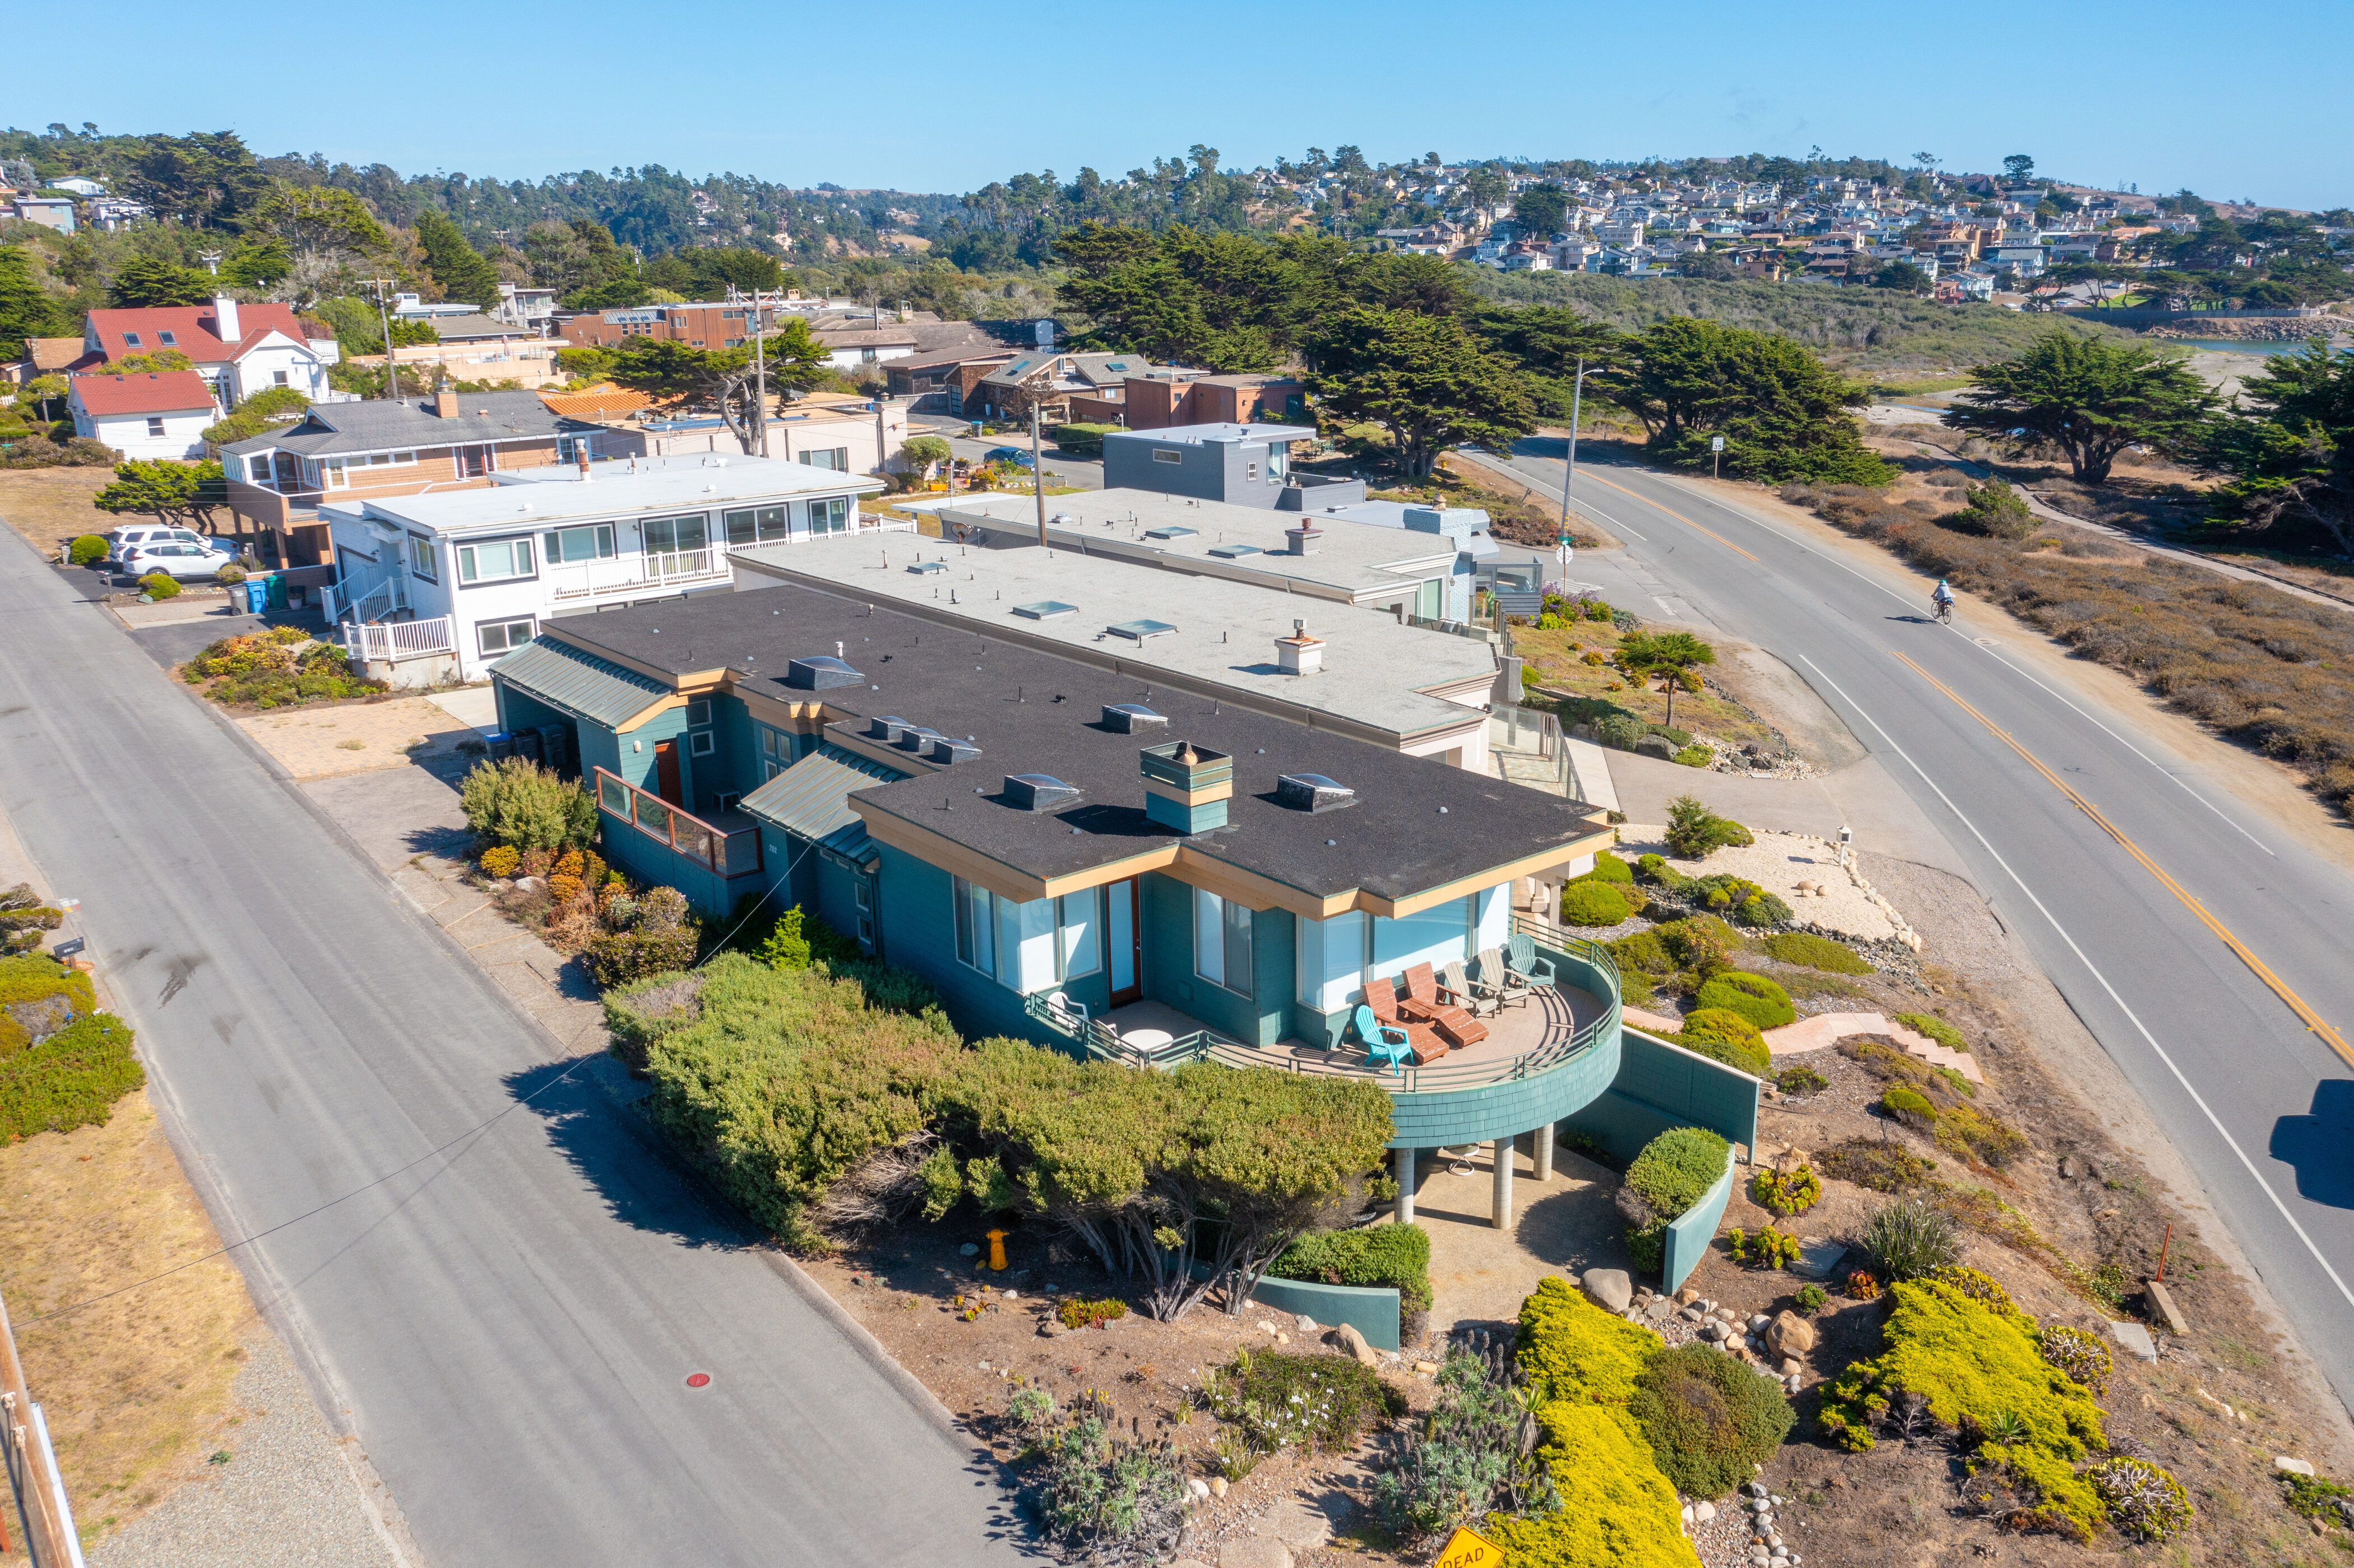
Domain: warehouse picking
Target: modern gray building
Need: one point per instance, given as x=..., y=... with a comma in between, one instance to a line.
x=1242, y=465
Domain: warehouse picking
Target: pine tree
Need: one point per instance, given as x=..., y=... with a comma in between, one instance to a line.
x=455, y=264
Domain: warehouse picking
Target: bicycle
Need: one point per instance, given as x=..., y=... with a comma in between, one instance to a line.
x=1943, y=608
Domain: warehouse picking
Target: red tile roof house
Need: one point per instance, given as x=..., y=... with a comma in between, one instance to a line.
x=239, y=349
x=148, y=414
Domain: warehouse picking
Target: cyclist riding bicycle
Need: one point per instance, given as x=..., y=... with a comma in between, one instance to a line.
x=1942, y=599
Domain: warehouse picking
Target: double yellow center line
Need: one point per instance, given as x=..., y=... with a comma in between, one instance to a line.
x=2313, y=1022
x=1676, y=514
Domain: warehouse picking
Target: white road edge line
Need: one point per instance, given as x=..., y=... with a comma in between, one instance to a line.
x=2164, y=772
x=2196, y=1097
x=1507, y=461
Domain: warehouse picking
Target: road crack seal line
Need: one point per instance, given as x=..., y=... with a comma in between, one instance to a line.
x=2313, y=1022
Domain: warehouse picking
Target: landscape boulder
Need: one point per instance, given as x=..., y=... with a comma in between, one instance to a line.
x=1349, y=1342
x=1610, y=1288
x=1790, y=1335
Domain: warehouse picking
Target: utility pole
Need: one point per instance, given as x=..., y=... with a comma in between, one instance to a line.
x=760, y=369
x=1576, y=407
x=32, y=1467
x=384, y=315
x=1038, y=471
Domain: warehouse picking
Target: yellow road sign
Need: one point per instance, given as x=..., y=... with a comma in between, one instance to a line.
x=1466, y=1549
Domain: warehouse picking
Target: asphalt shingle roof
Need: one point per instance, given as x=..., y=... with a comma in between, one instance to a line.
x=380, y=425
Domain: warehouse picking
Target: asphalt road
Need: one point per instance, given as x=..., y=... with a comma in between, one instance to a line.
x=492, y=1277
x=2261, y=1106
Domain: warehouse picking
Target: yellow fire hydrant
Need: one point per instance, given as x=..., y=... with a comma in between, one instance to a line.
x=997, y=1250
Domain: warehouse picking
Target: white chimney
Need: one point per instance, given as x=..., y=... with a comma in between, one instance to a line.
x=1299, y=653
x=225, y=325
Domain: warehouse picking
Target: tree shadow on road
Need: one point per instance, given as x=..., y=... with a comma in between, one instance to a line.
x=2320, y=1145
x=619, y=1151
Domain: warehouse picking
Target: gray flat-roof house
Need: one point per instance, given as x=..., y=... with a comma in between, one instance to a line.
x=1242, y=465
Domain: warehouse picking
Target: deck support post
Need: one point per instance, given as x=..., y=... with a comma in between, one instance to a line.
x=1401, y=1163
x=1544, y=1152
x=1499, y=1210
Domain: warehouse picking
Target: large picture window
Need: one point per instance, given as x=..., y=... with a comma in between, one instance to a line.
x=1222, y=941
x=591, y=542
x=1028, y=947
x=496, y=560
x=675, y=536
x=756, y=525
x=830, y=516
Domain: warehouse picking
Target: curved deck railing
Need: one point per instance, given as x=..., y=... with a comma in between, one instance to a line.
x=1569, y=954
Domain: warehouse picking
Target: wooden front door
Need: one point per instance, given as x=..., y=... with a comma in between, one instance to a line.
x=666, y=783
x=1124, y=942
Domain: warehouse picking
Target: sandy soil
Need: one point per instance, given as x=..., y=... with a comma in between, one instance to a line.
x=1839, y=902
x=330, y=740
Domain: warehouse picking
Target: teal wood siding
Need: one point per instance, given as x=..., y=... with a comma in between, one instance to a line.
x=1660, y=1086
x=655, y=863
x=521, y=710
x=634, y=753
x=916, y=918
x=1260, y=1018
x=1506, y=1109
x=736, y=769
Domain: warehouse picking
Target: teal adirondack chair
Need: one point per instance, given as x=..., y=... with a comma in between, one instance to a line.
x=1382, y=1044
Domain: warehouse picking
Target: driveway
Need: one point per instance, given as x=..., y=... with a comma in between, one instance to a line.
x=491, y=1280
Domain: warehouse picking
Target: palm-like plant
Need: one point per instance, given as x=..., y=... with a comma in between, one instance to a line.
x=1669, y=657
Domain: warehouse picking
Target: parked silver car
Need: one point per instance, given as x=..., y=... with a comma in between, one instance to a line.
x=177, y=559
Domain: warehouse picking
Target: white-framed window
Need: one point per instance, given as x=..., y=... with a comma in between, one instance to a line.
x=1167, y=454
x=702, y=743
x=674, y=535
x=421, y=559
x=836, y=459
x=1028, y=947
x=830, y=515
x=277, y=379
x=330, y=473
x=497, y=637
x=756, y=525
x=698, y=711
x=496, y=560
x=1222, y=941
x=589, y=542
x=257, y=467
x=571, y=449
x=154, y=424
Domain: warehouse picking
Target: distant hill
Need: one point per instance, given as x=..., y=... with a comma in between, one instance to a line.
x=1864, y=332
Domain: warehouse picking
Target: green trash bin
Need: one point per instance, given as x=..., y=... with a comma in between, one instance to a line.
x=276, y=581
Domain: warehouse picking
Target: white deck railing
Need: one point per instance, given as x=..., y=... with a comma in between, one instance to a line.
x=390, y=642
x=628, y=574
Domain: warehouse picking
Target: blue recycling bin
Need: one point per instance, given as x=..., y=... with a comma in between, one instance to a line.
x=256, y=594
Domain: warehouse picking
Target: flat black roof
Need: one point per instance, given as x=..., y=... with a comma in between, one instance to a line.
x=1417, y=823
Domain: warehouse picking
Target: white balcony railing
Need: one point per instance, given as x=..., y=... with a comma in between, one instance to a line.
x=632, y=573
x=390, y=642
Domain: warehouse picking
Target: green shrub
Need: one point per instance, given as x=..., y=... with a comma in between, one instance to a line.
x=1995, y=511
x=1881, y=1164
x=1967, y=1366
x=1786, y=1192
x=23, y=918
x=1642, y=953
x=1394, y=1256
x=1810, y=951
x=1980, y=1288
x=1592, y=904
x=1099, y=1495
x=1676, y=1170
x=1655, y=868
x=1470, y=1455
x=2318, y=1497
x=1971, y=1133
x=1762, y=908
x=1708, y=1418
x=2084, y=1356
x=1075, y=1313
x=1695, y=757
x=1702, y=943
x=160, y=586
x=1646, y=1246
x=518, y=803
x=1764, y=1249
x=1314, y=1404
x=1809, y=1299
x=786, y=947
x=1610, y=868
x=662, y=937
x=1572, y=1350
x=1694, y=832
x=31, y=977
x=1753, y=996
x=1800, y=1082
x=1725, y=1036
x=1911, y=1109
x=70, y=1079
x=89, y=547
x=1908, y=1239
x=2141, y=1499
x=1934, y=1028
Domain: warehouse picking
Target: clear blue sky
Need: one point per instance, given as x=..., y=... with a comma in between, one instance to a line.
x=2239, y=102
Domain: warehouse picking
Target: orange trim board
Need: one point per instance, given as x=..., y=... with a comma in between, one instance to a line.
x=2313, y=1022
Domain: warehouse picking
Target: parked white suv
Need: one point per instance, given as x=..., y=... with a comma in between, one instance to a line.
x=176, y=560
x=120, y=543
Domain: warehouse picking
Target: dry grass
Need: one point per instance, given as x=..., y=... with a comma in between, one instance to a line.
x=2268, y=671
x=1556, y=661
x=135, y=1388
x=50, y=505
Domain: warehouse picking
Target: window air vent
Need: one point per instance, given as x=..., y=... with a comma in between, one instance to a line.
x=886, y=728
x=1129, y=717
x=819, y=673
x=1174, y=531
x=1138, y=631
x=1234, y=552
x=1045, y=610
x=1313, y=792
x=1039, y=791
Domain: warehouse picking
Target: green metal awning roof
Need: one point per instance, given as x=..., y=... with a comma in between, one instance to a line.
x=811, y=798
x=579, y=684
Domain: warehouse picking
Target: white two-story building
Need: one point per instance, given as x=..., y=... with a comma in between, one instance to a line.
x=434, y=588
